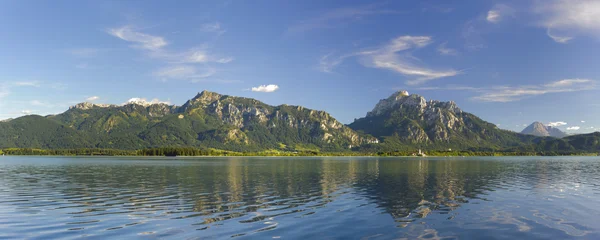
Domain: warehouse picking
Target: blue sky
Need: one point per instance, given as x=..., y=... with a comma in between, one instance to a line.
x=509, y=62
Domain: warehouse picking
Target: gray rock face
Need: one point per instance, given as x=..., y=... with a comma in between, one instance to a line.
x=400, y=100
x=413, y=119
x=431, y=119
x=245, y=112
x=541, y=130
x=88, y=105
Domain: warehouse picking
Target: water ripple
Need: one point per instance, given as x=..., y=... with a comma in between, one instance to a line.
x=302, y=198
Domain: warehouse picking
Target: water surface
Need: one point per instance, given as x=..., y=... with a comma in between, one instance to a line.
x=300, y=198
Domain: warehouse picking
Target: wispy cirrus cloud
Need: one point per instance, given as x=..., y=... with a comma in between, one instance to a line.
x=337, y=17
x=566, y=19
x=509, y=94
x=186, y=72
x=180, y=64
x=444, y=50
x=390, y=57
x=474, y=30
x=140, y=40
x=329, y=61
x=556, y=38
x=499, y=12
x=516, y=93
x=266, y=88
x=28, y=84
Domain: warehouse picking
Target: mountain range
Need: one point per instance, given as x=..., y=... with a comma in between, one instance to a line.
x=401, y=122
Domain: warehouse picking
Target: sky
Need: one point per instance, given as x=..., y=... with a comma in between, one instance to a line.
x=509, y=62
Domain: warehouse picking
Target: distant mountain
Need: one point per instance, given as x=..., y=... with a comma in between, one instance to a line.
x=209, y=120
x=541, y=130
x=408, y=121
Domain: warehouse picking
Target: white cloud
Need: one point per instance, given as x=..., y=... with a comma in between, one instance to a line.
x=443, y=50
x=499, y=12
x=582, y=121
x=569, y=17
x=573, y=128
x=92, y=98
x=28, y=84
x=142, y=40
x=26, y=112
x=556, y=124
x=493, y=16
x=265, y=88
x=388, y=57
x=184, y=72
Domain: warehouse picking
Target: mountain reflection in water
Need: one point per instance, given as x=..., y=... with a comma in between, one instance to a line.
x=300, y=198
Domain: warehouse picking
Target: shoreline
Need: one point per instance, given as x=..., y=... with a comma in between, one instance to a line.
x=196, y=152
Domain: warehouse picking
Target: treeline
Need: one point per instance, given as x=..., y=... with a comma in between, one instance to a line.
x=189, y=151
x=68, y=152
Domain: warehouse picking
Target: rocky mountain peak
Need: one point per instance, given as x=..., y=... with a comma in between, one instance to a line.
x=540, y=129
x=207, y=97
x=402, y=99
x=89, y=105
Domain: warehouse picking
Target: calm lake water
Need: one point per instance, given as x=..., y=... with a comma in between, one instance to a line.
x=300, y=198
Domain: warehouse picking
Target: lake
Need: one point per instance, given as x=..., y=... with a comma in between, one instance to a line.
x=300, y=198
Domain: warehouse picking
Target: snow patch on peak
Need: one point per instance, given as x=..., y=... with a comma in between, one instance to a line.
x=144, y=102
